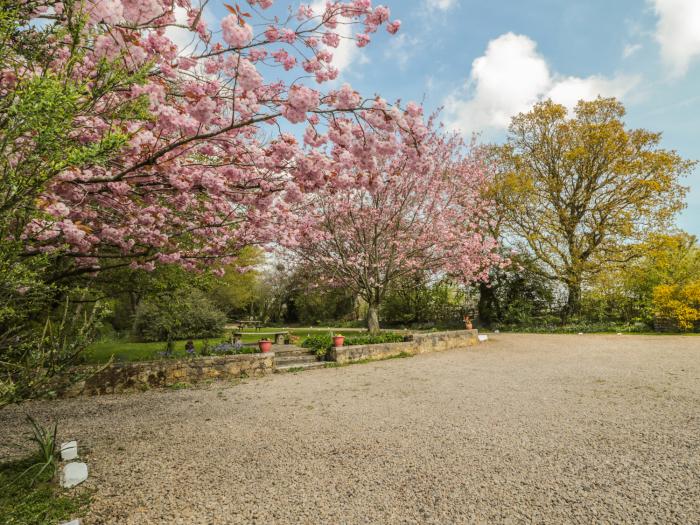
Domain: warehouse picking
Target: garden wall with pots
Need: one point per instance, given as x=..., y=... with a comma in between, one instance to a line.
x=420, y=344
x=125, y=377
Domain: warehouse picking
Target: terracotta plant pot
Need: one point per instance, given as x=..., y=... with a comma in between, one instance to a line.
x=265, y=345
x=338, y=340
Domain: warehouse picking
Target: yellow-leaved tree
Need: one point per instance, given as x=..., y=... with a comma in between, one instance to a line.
x=579, y=191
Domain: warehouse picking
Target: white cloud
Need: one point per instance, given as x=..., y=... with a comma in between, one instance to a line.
x=401, y=49
x=442, y=5
x=678, y=32
x=630, y=49
x=510, y=78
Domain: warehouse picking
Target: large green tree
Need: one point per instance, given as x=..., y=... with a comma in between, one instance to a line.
x=578, y=190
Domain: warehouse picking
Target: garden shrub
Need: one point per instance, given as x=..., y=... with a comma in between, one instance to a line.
x=231, y=349
x=321, y=343
x=679, y=303
x=185, y=314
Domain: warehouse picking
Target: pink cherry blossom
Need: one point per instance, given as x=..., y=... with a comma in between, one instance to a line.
x=236, y=35
x=205, y=169
x=388, y=209
x=393, y=27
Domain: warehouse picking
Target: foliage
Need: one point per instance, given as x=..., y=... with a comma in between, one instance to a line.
x=119, y=148
x=322, y=343
x=516, y=295
x=407, y=210
x=186, y=313
x=679, y=303
x=38, y=503
x=626, y=294
x=321, y=305
x=319, y=343
x=231, y=349
x=577, y=193
x=127, y=288
x=554, y=326
x=38, y=362
x=416, y=301
x=291, y=294
x=45, y=440
x=235, y=291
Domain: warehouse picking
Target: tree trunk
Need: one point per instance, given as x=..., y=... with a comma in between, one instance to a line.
x=573, y=302
x=373, y=319
x=488, y=309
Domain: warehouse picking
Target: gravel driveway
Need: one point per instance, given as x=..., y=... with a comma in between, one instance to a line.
x=524, y=428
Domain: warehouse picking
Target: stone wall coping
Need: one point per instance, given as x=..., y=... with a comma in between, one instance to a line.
x=204, y=360
x=419, y=343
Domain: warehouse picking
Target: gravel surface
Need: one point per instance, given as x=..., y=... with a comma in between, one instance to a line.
x=524, y=428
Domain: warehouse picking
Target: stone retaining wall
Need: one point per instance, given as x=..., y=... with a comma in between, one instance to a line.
x=124, y=377
x=421, y=343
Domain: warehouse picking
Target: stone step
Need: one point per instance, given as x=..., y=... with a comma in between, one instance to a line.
x=300, y=366
x=305, y=358
x=289, y=351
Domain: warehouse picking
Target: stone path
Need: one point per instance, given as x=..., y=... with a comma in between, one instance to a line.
x=520, y=429
x=290, y=357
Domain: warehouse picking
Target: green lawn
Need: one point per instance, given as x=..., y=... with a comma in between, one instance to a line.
x=130, y=351
x=43, y=503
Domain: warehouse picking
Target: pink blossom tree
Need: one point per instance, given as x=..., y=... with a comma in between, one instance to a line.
x=167, y=153
x=416, y=206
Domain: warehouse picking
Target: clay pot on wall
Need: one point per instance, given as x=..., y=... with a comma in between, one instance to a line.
x=338, y=340
x=468, y=322
x=265, y=345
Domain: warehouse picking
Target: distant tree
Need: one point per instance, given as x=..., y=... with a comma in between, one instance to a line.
x=413, y=208
x=418, y=300
x=235, y=291
x=627, y=292
x=516, y=295
x=583, y=189
x=183, y=314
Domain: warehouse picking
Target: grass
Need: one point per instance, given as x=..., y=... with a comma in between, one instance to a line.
x=102, y=351
x=44, y=503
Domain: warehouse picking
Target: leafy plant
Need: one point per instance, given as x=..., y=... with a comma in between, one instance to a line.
x=185, y=314
x=38, y=362
x=41, y=503
x=679, y=304
x=45, y=440
x=229, y=349
x=322, y=343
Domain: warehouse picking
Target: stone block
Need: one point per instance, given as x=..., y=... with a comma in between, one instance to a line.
x=69, y=450
x=74, y=474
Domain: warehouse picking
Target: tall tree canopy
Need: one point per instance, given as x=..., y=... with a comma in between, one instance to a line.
x=402, y=212
x=119, y=148
x=577, y=190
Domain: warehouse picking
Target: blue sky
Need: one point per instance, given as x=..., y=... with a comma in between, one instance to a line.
x=486, y=60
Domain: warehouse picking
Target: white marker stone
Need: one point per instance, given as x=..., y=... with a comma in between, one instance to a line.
x=74, y=474
x=76, y=521
x=483, y=337
x=69, y=450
